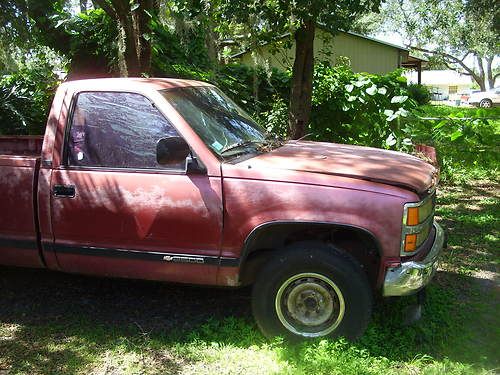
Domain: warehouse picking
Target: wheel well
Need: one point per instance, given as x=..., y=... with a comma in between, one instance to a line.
x=261, y=244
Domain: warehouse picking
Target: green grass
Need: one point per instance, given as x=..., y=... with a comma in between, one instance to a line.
x=66, y=324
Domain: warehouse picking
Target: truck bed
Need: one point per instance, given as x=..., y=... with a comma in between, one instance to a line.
x=25, y=146
x=19, y=158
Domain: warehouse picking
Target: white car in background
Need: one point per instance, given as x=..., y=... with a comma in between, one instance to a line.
x=485, y=99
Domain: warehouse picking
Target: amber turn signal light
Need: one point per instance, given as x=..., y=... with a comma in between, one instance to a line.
x=410, y=243
x=412, y=216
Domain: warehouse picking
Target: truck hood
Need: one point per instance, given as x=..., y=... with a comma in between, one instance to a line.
x=366, y=163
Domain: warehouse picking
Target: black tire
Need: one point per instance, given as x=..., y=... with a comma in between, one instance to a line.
x=315, y=266
x=485, y=103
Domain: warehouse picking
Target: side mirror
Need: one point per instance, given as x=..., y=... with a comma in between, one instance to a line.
x=172, y=150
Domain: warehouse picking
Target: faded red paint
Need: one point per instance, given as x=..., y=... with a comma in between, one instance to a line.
x=16, y=207
x=207, y=215
x=394, y=168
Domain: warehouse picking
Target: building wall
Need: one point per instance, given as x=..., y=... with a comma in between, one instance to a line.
x=365, y=55
x=442, y=91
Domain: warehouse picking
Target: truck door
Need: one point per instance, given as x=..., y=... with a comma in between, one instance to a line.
x=115, y=211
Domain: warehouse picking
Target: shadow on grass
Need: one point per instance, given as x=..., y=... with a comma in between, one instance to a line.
x=64, y=323
x=470, y=215
x=51, y=322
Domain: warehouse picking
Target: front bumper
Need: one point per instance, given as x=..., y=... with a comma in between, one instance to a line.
x=410, y=277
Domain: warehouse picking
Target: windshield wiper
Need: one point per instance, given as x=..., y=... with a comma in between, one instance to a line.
x=240, y=144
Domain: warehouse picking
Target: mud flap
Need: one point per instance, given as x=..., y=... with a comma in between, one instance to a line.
x=413, y=313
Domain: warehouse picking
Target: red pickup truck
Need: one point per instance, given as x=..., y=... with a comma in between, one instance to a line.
x=169, y=180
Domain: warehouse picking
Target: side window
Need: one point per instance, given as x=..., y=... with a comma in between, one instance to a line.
x=117, y=130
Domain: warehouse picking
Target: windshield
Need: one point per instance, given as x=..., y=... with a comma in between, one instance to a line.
x=224, y=127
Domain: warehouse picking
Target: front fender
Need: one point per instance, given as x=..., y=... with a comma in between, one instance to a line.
x=250, y=204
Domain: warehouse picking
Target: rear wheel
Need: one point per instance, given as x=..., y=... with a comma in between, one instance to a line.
x=485, y=103
x=312, y=290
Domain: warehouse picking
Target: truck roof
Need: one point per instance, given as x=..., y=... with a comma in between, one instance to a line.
x=134, y=84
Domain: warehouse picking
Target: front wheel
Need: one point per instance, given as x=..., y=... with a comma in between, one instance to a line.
x=312, y=290
x=485, y=103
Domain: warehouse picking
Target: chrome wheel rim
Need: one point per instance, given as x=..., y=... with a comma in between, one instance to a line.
x=310, y=305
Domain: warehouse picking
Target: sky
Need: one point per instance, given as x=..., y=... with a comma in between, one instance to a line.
x=393, y=38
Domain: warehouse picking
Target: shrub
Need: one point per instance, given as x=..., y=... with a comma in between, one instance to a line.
x=419, y=93
x=360, y=108
x=467, y=143
x=274, y=118
x=254, y=89
x=25, y=97
x=178, y=55
x=88, y=40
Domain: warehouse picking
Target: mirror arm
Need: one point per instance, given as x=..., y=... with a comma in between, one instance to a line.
x=194, y=165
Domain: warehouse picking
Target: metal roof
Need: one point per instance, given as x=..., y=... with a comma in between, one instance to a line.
x=325, y=28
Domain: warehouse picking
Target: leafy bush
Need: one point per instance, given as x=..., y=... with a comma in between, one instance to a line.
x=175, y=55
x=419, y=93
x=355, y=108
x=467, y=140
x=360, y=108
x=25, y=97
x=88, y=40
x=274, y=118
x=254, y=89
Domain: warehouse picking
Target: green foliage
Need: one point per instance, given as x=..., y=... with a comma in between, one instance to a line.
x=178, y=55
x=92, y=47
x=276, y=118
x=25, y=97
x=254, y=89
x=359, y=108
x=272, y=17
x=452, y=112
x=25, y=22
x=467, y=140
x=355, y=108
x=450, y=30
x=419, y=93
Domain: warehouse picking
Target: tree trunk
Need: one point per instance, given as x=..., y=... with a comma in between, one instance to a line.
x=212, y=50
x=143, y=43
x=302, y=77
x=481, y=83
x=481, y=77
x=489, y=72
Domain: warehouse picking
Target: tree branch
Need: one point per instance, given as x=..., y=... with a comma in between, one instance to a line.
x=480, y=65
x=451, y=67
x=448, y=56
x=469, y=71
x=106, y=7
x=465, y=56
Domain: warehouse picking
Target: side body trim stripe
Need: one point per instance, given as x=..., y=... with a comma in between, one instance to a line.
x=145, y=255
x=123, y=253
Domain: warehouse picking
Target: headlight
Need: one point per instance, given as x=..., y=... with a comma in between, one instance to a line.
x=417, y=223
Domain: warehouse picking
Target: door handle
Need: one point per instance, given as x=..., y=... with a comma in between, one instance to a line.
x=64, y=191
